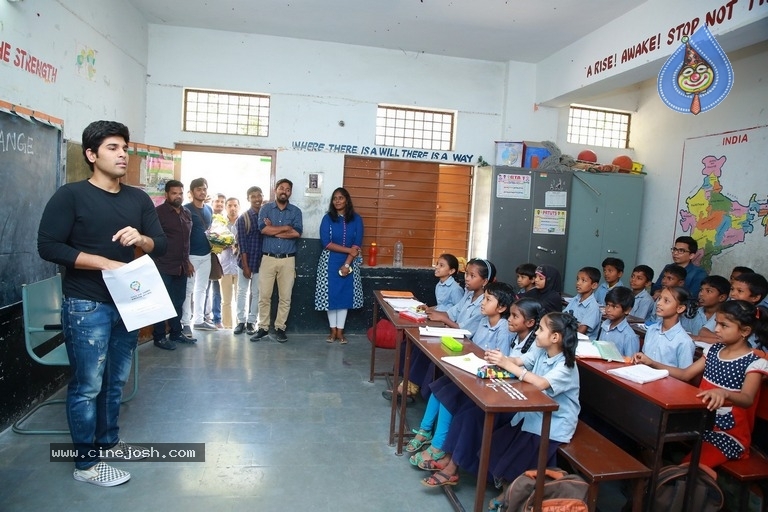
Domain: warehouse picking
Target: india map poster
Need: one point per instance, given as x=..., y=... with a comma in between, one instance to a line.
x=723, y=199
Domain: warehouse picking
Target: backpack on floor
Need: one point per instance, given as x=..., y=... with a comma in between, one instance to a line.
x=670, y=490
x=562, y=492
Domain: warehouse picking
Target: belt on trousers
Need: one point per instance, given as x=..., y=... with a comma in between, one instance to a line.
x=280, y=255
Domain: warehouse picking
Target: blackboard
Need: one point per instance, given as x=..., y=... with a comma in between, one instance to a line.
x=30, y=166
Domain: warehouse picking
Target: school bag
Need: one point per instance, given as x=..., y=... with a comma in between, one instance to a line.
x=670, y=490
x=562, y=492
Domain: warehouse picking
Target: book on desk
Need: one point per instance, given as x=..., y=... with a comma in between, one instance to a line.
x=639, y=373
x=599, y=349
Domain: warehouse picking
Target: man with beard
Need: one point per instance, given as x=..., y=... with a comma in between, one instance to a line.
x=281, y=225
x=174, y=266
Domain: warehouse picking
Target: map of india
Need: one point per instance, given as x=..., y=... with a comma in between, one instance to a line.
x=716, y=221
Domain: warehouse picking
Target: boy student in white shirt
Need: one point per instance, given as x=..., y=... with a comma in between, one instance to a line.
x=701, y=324
x=615, y=328
x=584, y=306
x=642, y=276
x=613, y=269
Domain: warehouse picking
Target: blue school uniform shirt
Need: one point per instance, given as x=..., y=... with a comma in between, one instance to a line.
x=448, y=293
x=622, y=335
x=466, y=312
x=699, y=321
x=563, y=389
x=644, y=305
x=587, y=312
x=673, y=347
x=516, y=345
x=495, y=337
x=603, y=290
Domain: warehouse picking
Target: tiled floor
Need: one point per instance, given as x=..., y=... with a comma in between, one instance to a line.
x=286, y=427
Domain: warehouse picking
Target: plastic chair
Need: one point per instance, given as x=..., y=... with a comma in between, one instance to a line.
x=41, y=309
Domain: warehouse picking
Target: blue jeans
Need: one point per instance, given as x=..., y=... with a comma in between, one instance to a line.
x=213, y=301
x=177, y=288
x=100, y=354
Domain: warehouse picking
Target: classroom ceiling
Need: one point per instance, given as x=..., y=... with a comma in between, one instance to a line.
x=496, y=30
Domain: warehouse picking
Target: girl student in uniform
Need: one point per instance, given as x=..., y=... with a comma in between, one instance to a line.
x=523, y=321
x=732, y=375
x=552, y=369
x=492, y=334
x=665, y=340
x=464, y=315
x=547, y=288
x=448, y=291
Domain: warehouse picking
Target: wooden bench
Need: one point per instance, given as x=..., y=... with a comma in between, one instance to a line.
x=754, y=468
x=599, y=460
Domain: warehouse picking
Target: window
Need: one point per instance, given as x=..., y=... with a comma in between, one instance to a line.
x=423, y=204
x=232, y=113
x=596, y=127
x=413, y=128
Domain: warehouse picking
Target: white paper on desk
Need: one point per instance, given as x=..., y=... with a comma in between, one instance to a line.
x=403, y=304
x=582, y=337
x=443, y=331
x=639, y=373
x=467, y=362
x=139, y=293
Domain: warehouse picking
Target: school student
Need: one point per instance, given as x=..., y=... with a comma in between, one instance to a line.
x=753, y=288
x=526, y=274
x=448, y=292
x=615, y=328
x=462, y=441
x=700, y=324
x=613, y=269
x=464, y=315
x=547, y=288
x=642, y=276
x=584, y=306
x=732, y=375
x=666, y=341
x=492, y=334
x=673, y=276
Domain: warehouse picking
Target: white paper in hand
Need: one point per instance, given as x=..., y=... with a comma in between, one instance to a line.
x=139, y=293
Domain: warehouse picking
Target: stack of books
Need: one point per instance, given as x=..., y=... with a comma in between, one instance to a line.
x=413, y=315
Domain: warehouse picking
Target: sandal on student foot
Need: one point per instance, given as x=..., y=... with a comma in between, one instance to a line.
x=432, y=465
x=440, y=479
x=417, y=444
x=418, y=458
x=332, y=336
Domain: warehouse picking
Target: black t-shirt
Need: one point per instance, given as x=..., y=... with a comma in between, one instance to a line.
x=81, y=217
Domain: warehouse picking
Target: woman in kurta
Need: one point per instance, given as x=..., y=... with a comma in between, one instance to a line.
x=339, y=287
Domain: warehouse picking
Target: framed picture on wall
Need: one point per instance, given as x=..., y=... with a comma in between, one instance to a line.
x=509, y=153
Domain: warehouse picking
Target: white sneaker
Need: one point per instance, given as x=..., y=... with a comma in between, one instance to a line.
x=103, y=475
x=125, y=451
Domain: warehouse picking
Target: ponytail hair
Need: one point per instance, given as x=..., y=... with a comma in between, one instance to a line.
x=747, y=314
x=567, y=326
x=486, y=269
x=531, y=310
x=682, y=296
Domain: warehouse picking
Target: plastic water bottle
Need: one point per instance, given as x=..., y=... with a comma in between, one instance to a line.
x=372, y=255
x=398, y=262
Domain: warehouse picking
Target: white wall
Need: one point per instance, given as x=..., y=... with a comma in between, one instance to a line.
x=314, y=85
x=54, y=32
x=658, y=24
x=657, y=137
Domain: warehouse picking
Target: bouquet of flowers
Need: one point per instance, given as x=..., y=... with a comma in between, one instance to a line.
x=219, y=234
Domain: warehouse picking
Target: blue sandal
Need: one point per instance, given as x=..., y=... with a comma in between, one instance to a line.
x=415, y=444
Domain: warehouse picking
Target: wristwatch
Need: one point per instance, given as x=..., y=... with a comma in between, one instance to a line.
x=346, y=265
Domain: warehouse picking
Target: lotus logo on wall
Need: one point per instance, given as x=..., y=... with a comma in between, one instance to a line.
x=697, y=76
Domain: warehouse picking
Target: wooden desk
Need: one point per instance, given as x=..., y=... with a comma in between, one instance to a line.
x=490, y=400
x=652, y=414
x=400, y=324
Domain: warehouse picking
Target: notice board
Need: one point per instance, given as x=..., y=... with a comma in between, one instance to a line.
x=30, y=164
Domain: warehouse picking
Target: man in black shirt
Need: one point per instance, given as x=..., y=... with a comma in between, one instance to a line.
x=174, y=266
x=90, y=226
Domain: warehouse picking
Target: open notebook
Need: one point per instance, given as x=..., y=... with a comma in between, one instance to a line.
x=467, y=362
x=599, y=349
x=639, y=373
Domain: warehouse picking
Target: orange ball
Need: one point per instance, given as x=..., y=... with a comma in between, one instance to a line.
x=624, y=162
x=587, y=156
